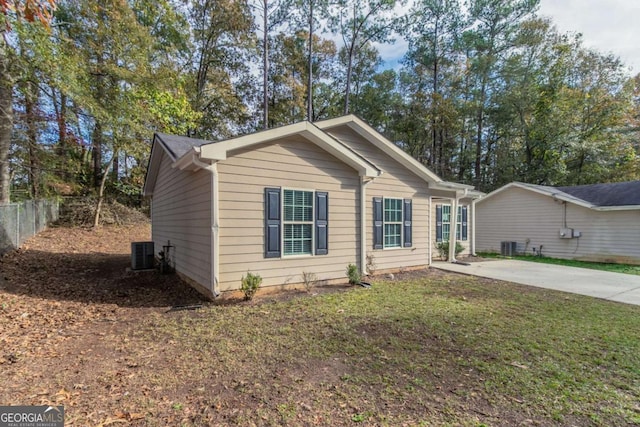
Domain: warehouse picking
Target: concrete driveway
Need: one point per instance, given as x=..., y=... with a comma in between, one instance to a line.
x=600, y=284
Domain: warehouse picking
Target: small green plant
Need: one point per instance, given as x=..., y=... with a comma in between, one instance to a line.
x=309, y=279
x=353, y=274
x=250, y=284
x=443, y=249
x=357, y=418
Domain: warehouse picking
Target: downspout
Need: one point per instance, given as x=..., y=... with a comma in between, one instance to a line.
x=363, y=224
x=454, y=220
x=473, y=227
x=430, y=250
x=215, y=222
x=453, y=228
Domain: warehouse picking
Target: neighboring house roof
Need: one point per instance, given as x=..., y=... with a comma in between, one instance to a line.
x=602, y=197
x=609, y=194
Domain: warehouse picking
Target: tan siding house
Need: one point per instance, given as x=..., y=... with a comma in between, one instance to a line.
x=304, y=198
x=592, y=223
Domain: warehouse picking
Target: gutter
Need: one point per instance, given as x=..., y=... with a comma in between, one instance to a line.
x=215, y=218
x=454, y=220
x=363, y=223
x=472, y=249
x=429, y=222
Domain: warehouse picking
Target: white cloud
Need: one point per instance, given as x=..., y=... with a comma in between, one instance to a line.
x=610, y=26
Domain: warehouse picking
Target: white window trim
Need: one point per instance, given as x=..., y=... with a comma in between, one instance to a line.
x=312, y=223
x=384, y=223
x=458, y=224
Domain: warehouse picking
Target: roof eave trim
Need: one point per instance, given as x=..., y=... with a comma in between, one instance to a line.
x=219, y=150
x=617, y=208
x=153, y=167
x=556, y=195
x=383, y=144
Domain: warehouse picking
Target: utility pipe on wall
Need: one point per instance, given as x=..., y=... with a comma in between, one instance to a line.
x=473, y=227
x=215, y=222
x=363, y=223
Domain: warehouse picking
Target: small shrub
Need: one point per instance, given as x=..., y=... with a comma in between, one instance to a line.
x=443, y=249
x=250, y=284
x=353, y=274
x=309, y=279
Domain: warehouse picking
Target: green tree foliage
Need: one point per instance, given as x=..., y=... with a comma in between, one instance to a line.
x=220, y=82
x=360, y=23
x=487, y=93
x=289, y=77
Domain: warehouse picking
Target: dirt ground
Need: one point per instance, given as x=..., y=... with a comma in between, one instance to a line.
x=60, y=294
x=78, y=329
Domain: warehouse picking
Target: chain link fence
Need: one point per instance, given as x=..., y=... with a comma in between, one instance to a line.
x=19, y=221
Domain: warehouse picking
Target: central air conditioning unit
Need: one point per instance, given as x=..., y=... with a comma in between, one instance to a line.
x=566, y=233
x=142, y=257
x=508, y=248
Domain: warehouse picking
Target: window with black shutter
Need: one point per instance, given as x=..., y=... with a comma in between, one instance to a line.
x=296, y=222
x=392, y=223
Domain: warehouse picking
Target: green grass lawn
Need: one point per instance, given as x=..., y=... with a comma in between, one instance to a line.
x=434, y=350
x=615, y=268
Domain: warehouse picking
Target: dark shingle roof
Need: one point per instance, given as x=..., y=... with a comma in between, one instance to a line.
x=611, y=194
x=178, y=146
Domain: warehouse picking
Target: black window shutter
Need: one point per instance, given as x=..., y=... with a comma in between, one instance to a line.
x=322, y=223
x=272, y=223
x=378, y=236
x=464, y=223
x=438, y=223
x=408, y=238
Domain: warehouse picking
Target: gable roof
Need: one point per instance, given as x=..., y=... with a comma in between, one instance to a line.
x=600, y=197
x=219, y=150
x=188, y=152
x=177, y=146
x=370, y=134
x=608, y=194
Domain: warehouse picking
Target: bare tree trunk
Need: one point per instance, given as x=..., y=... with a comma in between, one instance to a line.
x=6, y=120
x=347, y=92
x=310, y=63
x=105, y=174
x=115, y=168
x=30, y=91
x=61, y=119
x=265, y=71
x=96, y=145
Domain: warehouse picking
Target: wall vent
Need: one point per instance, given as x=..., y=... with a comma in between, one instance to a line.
x=142, y=257
x=508, y=248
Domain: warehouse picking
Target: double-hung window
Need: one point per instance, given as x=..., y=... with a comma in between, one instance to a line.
x=392, y=223
x=296, y=222
x=443, y=223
